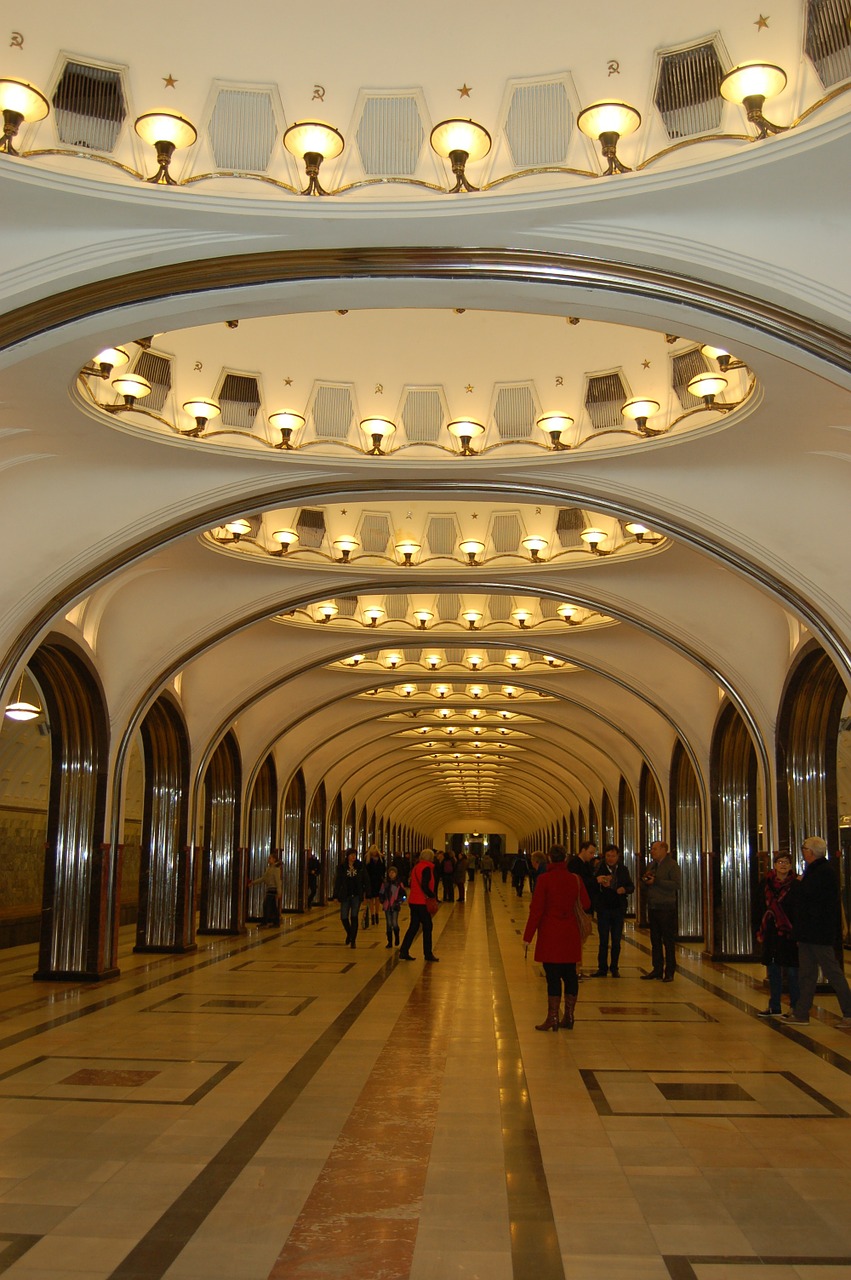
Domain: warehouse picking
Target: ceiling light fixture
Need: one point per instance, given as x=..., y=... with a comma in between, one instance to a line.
x=285, y=538
x=638, y=531
x=327, y=611
x=471, y=549
x=356, y=659
x=441, y=690
x=393, y=660
x=286, y=422
x=132, y=388
x=639, y=410
x=475, y=661
x=521, y=617
x=313, y=142
x=377, y=429
x=166, y=133
x=750, y=84
x=20, y=709
x=423, y=617
x=594, y=538
x=509, y=690
x=476, y=691
x=408, y=689
x=567, y=612
x=471, y=617
x=513, y=661
x=200, y=411
x=553, y=425
x=706, y=386
x=111, y=358
x=372, y=614
x=459, y=142
x=608, y=122
x=433, y=661
x=238, y=529
x=346, y=547
x=465, y=429
x=19, y=101
x=407, y=550
x=535, y=546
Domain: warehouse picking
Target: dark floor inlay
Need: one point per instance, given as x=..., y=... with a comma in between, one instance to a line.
x=679, y=1092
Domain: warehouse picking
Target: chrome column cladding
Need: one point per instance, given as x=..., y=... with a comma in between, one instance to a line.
x=223, y=861
x=261, y=832
x=166, y=919
x=734, y=832
x=292, y=869
x=80, y=874
x=687, y=841
x=316, y=829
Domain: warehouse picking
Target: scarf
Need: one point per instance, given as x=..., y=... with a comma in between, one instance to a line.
x=775, y=913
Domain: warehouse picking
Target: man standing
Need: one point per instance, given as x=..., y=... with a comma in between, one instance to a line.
x=662, y=881
x=816, y=927
x=423, y=891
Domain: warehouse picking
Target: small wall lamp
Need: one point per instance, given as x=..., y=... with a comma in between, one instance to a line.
x=464, y=429
x=594, y=537
x=535, y=546
x=166, y=133
x=285, y=539
x=407, y=550
x=346, y=547
x=200, y=411
x=706, y=386
x=639, y=410
x=553, y=424
x=19, y=101
x=609, y=122
x=327, y=611
x=471, y=549
x=131, y=387
x=372, y=614
x=423, y=617
x=459, y=142
x=521, y=617
x=567, y=613
x=377, y=429
x=312, y=141
x=750, y=84
x=111, y=358
x=238, y=528
x=471, y=617
x=286, y=423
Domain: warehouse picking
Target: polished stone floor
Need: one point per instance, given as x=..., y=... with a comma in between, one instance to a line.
x=279, y=1105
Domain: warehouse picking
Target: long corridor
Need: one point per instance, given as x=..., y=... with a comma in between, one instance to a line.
x=279, y=1105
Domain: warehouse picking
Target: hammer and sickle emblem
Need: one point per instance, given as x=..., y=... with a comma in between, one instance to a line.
x=379, y=389
x=318, y=92
x=614, y=67
x=559, y=381
x=198, y=366
x=17, y=41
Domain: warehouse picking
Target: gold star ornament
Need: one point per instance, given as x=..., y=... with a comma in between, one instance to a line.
x=465, y=90
x=761, y=23
x=169, y=81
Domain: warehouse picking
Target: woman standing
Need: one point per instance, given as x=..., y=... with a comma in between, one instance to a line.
x=349, y=889
x=779, y=950
x=552, y=916
x=376, y=869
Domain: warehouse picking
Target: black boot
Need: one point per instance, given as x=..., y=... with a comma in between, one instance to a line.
x=389, y=941
x=396, y=936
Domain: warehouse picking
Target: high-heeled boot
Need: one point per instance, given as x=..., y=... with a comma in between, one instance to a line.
x=569, y=1006
x=550, y=1023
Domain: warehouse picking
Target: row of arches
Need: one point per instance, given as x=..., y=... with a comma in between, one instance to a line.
x=193, y=871
x=813, y=753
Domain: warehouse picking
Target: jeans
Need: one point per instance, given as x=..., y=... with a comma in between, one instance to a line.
x=391, y=921
x=814, y=956
x=349, y=908
x=420, y=919
x=663, y=939
x=775, y=985
x=609, y=925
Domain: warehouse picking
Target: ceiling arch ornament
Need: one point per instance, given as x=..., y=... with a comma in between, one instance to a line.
x=429, y=263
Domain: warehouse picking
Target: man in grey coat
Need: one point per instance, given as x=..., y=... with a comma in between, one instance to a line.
x=662, y=887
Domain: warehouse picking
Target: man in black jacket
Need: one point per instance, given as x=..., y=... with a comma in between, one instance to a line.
x=816, y=926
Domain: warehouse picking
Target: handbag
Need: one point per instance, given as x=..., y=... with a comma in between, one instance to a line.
x=583, y=920
x=431, y=906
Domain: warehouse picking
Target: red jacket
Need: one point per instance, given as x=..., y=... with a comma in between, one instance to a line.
x=417, y=893
x=552, y=916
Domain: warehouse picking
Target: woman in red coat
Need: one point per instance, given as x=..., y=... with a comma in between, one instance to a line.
x=552, y=916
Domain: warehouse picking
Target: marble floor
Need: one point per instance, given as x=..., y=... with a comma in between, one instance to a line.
x=279, y=1105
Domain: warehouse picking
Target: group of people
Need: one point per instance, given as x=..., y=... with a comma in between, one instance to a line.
x=380, y=887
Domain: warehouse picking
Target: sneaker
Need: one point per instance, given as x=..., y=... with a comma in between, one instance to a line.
x=844, y=1023
x=768, y=1013
x=793, y=1017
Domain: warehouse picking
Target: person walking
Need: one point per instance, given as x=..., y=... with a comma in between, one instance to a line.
x=350, y=887
x=614, y=885
x=774, y=930
x=520, y=869
x=487, y=868
x=662, y=879
x=817, y=929
x=552, y=916
x=273, y=882
x=423, y=891
x=459, y=875
x=447, y=878
x=392, y=895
